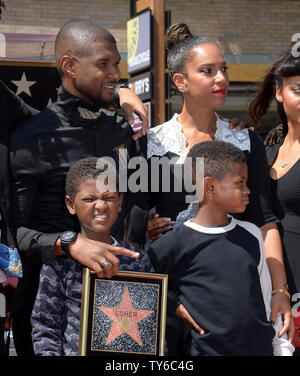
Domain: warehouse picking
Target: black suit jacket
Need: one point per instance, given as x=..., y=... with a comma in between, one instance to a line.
x=13, y=111
x=41, y=152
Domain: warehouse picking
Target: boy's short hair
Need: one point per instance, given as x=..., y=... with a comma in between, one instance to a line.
x=86, y=168
x=218, y=158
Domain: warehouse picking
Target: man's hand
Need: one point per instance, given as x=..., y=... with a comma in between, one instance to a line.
x=281, y=305
x=131, y=103
x=183, y=314
x=99, y=257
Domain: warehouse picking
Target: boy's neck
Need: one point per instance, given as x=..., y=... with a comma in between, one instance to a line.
x=97, y=236
x=210, y=217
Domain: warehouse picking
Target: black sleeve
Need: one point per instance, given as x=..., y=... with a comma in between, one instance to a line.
x=17, y=109
x=259, y=210
x=137, y=225
x=27, y=172
x=271, y=153
x=163, y=253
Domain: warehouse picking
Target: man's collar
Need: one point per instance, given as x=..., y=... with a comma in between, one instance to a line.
x=66, y=97
x=73, y=110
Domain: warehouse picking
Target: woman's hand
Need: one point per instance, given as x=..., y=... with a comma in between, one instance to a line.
x=157, y=225
x=280, y=305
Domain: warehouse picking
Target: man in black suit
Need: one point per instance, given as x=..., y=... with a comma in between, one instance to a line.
x=14, y=111
x=42, y=150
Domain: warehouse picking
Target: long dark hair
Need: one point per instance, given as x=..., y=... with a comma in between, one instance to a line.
x=287, y=65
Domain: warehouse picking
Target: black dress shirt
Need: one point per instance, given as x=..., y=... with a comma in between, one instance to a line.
x=42, y=151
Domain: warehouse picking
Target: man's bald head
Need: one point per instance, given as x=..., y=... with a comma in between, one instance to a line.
x=76, y=37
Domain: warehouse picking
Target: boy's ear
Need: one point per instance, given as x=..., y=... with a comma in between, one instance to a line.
x=208, y=185
x=70, y=205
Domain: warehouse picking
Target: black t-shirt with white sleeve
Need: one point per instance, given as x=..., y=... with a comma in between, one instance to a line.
x=221, y=277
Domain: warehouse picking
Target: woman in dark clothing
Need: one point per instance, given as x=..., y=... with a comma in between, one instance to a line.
x=282, y=82
x=199, y=72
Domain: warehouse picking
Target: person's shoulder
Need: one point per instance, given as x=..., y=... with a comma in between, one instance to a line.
x=166, y=137
x=250, y=227
x=178, y=237
x=44, y=120
x=162, y=128
x=273, y=147
x=27, y=134
x=271, y=151
x=239, y=138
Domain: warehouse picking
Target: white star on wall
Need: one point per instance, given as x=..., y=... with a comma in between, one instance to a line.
x=23, y=85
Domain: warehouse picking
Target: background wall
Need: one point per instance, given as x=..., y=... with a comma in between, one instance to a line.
x=242, y=26
x=251, y=32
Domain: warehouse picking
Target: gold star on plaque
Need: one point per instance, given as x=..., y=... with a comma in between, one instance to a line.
x=23, y=85
x=125, y=319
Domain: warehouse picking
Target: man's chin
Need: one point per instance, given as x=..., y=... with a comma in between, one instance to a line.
x=101, y=102
x=104, y=103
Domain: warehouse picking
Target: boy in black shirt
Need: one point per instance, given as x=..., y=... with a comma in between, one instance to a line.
x=216, y=264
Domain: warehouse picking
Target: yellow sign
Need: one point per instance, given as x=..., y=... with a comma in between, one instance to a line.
x=139, y=42
x=132, y=36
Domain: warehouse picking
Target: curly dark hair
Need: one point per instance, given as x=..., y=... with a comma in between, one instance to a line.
x=84, y=169
x=2, y=5
x=219, y=157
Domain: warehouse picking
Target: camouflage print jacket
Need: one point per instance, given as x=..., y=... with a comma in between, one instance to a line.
x=56, y=314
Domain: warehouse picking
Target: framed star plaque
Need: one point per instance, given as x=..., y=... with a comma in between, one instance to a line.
x=124, y=315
